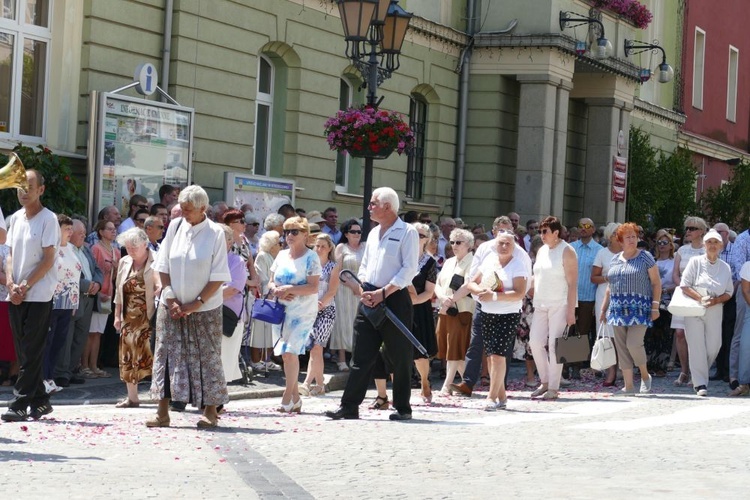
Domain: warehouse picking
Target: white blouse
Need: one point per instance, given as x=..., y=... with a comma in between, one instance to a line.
x=193, y=256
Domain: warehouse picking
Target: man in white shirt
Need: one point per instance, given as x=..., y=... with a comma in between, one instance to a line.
x=532, y=228
x=32, y=278
x=487, y=250
x=388, y=267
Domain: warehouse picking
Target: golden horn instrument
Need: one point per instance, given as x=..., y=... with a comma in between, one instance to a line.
x=13, y=174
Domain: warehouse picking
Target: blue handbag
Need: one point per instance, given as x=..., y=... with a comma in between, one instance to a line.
x=268, y=310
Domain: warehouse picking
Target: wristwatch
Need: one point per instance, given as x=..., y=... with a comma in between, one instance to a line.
x=199, y=299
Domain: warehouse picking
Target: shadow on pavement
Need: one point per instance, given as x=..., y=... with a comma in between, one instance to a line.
x=22, y=456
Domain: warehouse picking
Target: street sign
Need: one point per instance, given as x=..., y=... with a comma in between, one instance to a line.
x=147, y=78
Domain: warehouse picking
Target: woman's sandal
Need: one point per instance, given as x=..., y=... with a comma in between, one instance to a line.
x=682, y=379
x=127, y=403
x=206, y=423
x=380, y=403
x=158, y=421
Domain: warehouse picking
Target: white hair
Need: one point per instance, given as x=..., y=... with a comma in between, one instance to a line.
x=610, y=230
x=463, y=233
x=272, y=221
x=133, y=237
x=387, y=195
x=268, y=240
x=194, y=195
x=228, y=233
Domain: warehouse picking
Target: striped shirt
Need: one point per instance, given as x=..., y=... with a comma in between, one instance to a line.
x=630, y=290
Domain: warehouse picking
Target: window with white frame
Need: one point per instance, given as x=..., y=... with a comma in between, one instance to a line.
x=699, y=58
x=263, y=117
x=342, y=160
x=416, y=160
x=734, y=59
x=24, y=47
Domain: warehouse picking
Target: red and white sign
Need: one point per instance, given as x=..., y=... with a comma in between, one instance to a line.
x=619, y=178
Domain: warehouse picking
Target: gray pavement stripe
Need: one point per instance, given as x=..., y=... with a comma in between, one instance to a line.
x=257, y=471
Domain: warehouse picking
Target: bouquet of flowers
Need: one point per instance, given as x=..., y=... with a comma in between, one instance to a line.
x=368, y=131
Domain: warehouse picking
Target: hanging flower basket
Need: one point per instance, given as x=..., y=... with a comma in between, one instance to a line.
x=367, y=132
x=631, y=10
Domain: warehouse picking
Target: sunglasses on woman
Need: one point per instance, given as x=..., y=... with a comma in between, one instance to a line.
x=456, y=242
x=293, y=232
x=354, y=231
x=662, y=243
x=691, y=228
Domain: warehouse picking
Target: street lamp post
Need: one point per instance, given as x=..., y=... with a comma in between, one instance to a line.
x=374, y=31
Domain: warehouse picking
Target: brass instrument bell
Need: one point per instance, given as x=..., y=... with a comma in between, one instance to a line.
x=13, y=174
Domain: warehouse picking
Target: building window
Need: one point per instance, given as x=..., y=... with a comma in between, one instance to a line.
x=263, y=117
x=734, y=58
x=342, y=160
x=699, y=57
x=24, y=46
x=415, y=163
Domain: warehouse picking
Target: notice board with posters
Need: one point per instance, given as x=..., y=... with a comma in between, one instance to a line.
x=264, y=194
x=139, y=146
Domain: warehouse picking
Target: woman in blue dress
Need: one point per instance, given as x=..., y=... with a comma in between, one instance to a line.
x=631, y=304
x=294, y=280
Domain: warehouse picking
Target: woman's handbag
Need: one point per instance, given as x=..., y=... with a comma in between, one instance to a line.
x=103, y=306
x=230, y=320
x=603, y=354
x=682, y=305
x=268, y=310
x=572, y=347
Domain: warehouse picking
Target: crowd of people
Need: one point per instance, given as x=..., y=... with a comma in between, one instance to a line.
x=177, y=279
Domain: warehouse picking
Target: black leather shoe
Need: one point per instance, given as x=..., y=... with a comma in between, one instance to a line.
x=343, y=412
x=62, y=382
x=396, y=415
x=75, y=379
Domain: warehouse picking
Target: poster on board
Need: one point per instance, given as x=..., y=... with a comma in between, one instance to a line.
x=264, y=194
x=141, y=145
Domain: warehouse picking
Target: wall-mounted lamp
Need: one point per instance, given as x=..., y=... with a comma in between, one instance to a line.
x=665, y=73
x=603, y=47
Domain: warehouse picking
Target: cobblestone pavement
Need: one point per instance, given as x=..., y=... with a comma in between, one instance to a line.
x=587, y=444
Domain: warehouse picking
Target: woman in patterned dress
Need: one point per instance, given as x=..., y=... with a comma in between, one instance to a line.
x=349, y=254
x=135, y=289
x=65, y=301
x=294, y=281
x=631, y=304
x=192, y=266
x=599, y=270
x=321, y=331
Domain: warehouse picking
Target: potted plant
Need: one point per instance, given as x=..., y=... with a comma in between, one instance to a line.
x=368, y=132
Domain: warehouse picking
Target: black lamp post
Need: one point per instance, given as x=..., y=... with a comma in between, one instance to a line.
x=666, y=73
x=374, y=31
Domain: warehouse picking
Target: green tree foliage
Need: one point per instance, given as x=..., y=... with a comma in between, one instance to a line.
x=729, y=202
x=661, y=188
x=63, y=193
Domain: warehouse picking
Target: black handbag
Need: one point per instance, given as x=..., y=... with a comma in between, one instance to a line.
x=375, y=315
x=268, y=310
x=457, y=282
x=230, y=321
x=572, y=347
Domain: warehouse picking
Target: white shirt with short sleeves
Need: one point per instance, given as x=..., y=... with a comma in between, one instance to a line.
x=514, y=269
x=193, y=256
x=27, y=240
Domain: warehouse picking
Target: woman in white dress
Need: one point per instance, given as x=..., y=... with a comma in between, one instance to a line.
x=695, y=229
x=261, y=338
x=599, y=271
x=348, y=254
